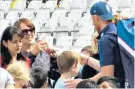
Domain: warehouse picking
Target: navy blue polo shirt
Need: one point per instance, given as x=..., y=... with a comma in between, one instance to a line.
x=109, y=51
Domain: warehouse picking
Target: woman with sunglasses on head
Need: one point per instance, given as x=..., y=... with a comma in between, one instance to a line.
x=35, y=51
x=11, y=44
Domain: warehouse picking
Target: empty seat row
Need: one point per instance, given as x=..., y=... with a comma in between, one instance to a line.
x=63, y=30
x=67, y=41
x=43, y=15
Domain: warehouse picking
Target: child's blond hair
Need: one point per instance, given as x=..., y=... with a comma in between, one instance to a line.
x=19, y=70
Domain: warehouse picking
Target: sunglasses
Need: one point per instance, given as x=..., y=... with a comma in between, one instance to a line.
x=25, y=31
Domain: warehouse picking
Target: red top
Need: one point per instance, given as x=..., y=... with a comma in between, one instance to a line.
x=27, y=60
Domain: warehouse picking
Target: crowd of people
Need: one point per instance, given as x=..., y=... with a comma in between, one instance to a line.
x=26, y=63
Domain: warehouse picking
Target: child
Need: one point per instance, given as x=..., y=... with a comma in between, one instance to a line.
x=39, y=77
x=108, y=82
x=87, y=84
x=20, y=73
x=67, y=64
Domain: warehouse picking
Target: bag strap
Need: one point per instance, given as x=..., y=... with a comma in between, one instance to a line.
x=108, y=36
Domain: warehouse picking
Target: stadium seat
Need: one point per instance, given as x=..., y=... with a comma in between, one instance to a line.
x=75, y=48
x=85, y=21
x=79, y=4
x=66, y=21
x=94, y=1
x=60, y=48
x=127, y=12
x=13, y=15
x=66, y=4
x=83, y=41
x=61, y=31
x=4, y=23
x=21, y=5
x=72, y=19
x=2, y=14
x=28, y=13
x=35, y=5
x=114, y=4
x=65, y=43
x=76, y=12
x=49, y=39
x=58, y=12
x=5, y=5
x=125, y=3
x=45, y=31
x=75, y=30
x=51, y=4
x=43, y=16
x=86, y=31
x=89, y=3
x=37, y=26
x=52, y=23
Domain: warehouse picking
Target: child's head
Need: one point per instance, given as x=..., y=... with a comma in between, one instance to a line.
x=108, y=82
x=87, y=84
x=20, y=73
x=39, y=77
x=87, y=50
x=68, y=62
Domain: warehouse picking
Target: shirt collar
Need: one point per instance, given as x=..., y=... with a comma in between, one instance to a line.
x=105, y=30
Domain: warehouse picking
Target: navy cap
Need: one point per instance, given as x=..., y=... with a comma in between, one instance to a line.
x=103, y=10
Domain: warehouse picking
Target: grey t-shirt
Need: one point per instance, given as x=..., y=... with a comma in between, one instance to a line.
x=5, y=78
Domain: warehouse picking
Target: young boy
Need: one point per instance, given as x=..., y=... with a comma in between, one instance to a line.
x=39, y=77
x=108, y=82
x=87, y=84
x=68, y=62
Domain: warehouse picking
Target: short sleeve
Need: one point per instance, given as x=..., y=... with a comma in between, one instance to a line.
x=106, y=47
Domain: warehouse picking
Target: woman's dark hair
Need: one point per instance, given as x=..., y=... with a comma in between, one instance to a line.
x=114, y=82
x=87, y=84
x=7, y=36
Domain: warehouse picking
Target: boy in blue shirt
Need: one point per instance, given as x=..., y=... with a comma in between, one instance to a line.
x=68, y=62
